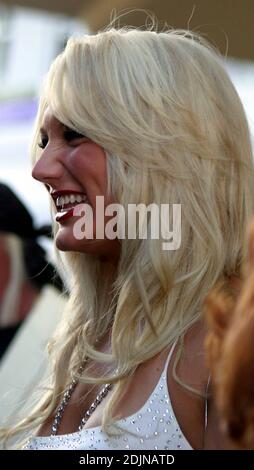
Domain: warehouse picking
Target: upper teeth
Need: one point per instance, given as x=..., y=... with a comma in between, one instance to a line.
x=71, y=198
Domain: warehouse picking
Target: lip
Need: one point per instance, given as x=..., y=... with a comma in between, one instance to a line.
x=57, y=193
x=62, y=216
x=64, y=192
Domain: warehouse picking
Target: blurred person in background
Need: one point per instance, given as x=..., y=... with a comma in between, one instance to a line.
x=139, y=116
x=24, y=268
x=230, y=352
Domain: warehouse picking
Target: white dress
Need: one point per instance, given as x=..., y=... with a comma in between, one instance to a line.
x=153, y=427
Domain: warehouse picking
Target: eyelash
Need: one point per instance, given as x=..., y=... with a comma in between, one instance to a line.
x=43, y=144
x=69, y=135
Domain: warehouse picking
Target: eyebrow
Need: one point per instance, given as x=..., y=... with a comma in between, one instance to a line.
x=66, y=128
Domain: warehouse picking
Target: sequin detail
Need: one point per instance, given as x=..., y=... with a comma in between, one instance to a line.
x=154, y=426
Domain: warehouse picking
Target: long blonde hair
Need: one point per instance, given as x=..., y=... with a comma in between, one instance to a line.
x=174, y=131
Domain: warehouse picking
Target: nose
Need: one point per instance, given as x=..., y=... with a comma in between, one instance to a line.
x=47, y=169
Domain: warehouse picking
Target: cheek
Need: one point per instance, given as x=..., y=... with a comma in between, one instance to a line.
x=86, y=162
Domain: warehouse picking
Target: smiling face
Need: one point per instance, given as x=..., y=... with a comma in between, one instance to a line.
x=73, y=168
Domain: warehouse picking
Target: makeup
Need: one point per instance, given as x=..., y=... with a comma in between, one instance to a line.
x=64, y=215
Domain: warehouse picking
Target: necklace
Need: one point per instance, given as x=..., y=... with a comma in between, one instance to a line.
x=67, y=395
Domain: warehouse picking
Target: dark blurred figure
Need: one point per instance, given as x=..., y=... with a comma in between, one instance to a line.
x=24, y=269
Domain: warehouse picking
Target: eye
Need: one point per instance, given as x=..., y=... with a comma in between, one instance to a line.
x=42, y=144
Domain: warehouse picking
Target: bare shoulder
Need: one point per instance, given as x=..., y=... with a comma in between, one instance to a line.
x=193, y=371
x=187, y=388
x=192, y=367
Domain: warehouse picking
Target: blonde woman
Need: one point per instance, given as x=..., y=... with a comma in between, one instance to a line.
x=139, y=116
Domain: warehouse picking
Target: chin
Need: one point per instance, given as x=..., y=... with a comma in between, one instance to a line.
x=65, y=241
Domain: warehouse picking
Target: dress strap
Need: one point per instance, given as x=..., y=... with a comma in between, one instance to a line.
x=169, y=356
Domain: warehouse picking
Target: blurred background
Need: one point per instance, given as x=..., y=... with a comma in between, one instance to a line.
x=32, y=34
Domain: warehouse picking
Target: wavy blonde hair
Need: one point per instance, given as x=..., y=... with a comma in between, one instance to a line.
x=174, y=131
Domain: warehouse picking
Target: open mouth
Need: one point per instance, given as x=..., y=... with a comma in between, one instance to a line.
x=65, y=202
x=69, y=201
